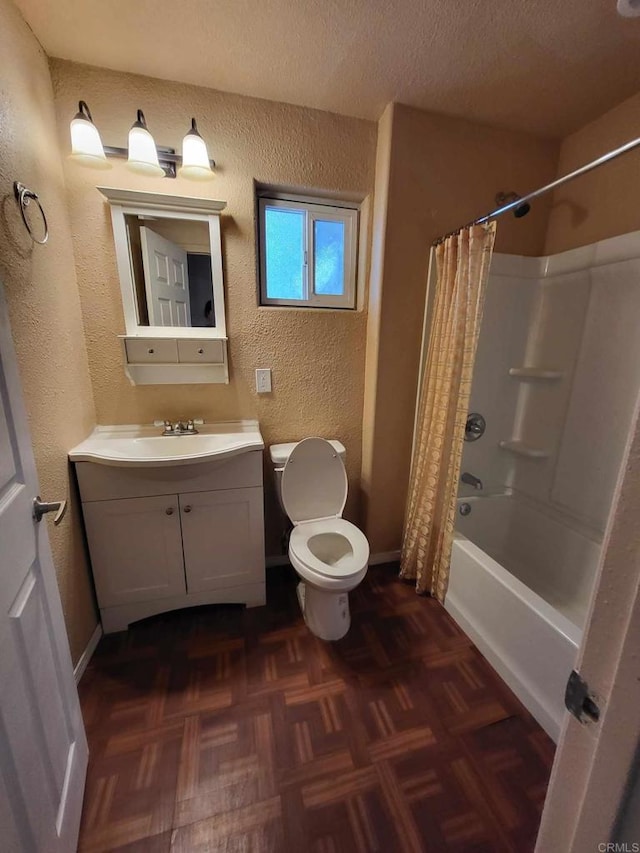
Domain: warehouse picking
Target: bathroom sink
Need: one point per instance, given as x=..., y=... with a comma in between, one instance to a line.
x=139, y=446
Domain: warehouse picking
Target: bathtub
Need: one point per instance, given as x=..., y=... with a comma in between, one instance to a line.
x=519, y=587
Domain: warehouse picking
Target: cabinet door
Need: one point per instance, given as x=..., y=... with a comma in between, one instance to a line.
x=223, y=538
x=136, y=549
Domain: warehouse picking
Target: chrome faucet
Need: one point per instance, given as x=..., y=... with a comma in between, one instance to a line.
x=471, y=480
x=179, y=427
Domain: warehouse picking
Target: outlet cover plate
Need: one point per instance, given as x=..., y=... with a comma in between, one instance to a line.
x=263, y=380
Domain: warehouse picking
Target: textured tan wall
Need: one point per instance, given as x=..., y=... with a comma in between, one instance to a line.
x=317, y=357
x=443, y=172
x=605, y=202
x=44, y=308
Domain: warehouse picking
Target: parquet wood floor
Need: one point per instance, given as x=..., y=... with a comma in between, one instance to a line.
x=220, y=729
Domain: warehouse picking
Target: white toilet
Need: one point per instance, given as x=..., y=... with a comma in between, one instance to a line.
x=329, y=553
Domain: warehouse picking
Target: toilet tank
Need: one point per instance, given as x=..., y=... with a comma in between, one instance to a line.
x=279, y=454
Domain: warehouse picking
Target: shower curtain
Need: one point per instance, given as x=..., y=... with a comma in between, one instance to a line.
x=462, y=263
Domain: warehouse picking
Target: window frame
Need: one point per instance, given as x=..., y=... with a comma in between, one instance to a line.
x=324, y=212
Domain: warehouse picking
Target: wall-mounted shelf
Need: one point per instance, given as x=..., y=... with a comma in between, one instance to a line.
x=521, y=448
x=535, y=373
x=170, y=361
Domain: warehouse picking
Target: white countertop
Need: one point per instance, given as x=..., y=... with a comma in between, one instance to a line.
x=143, y=445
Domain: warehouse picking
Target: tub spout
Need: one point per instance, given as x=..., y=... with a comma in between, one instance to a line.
x=471, y=480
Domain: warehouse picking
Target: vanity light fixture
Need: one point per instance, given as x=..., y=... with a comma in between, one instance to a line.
x=86, y=145
x=195, y=157
x=143, y=155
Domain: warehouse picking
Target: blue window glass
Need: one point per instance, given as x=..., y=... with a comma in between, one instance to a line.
x=328, y=241
x=284, y=246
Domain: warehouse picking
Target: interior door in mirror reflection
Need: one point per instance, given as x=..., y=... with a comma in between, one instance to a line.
x=166, y=280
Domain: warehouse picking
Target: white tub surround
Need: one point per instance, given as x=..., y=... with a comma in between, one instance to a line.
x=556, y=377
x=553, y=558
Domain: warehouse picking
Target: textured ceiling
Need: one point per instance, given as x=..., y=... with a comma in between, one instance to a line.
x=545, y=66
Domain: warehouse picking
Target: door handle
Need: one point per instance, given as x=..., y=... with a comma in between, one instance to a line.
x=41, y=507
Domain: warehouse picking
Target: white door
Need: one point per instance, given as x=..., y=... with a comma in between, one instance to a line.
x=43, y=749
x=166, y=280
x=136, y=549
x=223, y=538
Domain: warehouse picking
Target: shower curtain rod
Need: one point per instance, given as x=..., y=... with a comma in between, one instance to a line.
x=600, y=161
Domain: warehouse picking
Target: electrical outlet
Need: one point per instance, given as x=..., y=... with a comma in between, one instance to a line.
x=263, y=380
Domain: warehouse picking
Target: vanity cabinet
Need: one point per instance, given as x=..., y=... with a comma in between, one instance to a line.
x=227, y=524
x=168, y=537
x=136, y=549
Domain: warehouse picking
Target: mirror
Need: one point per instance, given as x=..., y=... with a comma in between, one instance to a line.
x=169, y=257
x=172, y=273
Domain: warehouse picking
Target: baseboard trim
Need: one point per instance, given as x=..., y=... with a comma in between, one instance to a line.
x=277, y=560
x=87, y=654
x=384, y=557
x=374, y=559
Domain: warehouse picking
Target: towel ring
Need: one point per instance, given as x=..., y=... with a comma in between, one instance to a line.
x=24, y=197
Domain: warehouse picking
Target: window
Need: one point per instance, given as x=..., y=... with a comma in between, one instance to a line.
x=307, y=254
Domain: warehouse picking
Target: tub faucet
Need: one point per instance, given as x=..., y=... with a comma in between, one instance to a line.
x=471, y=480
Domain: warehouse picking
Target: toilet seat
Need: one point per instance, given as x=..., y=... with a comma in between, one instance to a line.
x=339, y=554
x=325, y=549
x=314, y=482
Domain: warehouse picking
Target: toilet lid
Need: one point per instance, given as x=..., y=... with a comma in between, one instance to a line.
x=314, y=481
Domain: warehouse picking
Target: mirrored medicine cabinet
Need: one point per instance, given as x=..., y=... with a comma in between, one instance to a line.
x=169, y=258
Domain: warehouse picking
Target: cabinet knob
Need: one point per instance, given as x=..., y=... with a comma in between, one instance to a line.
x=187, y=508
x=169, y=510
x=200, y=351
x=151, y=350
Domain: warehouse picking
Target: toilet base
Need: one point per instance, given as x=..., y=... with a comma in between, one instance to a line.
x=326, y=613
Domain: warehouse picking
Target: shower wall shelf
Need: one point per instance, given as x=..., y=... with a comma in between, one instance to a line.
x=521, y=448
x=535, y=373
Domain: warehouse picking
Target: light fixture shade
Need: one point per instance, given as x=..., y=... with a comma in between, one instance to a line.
x=195, y=158
x=86, y=145
x=143, y=155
